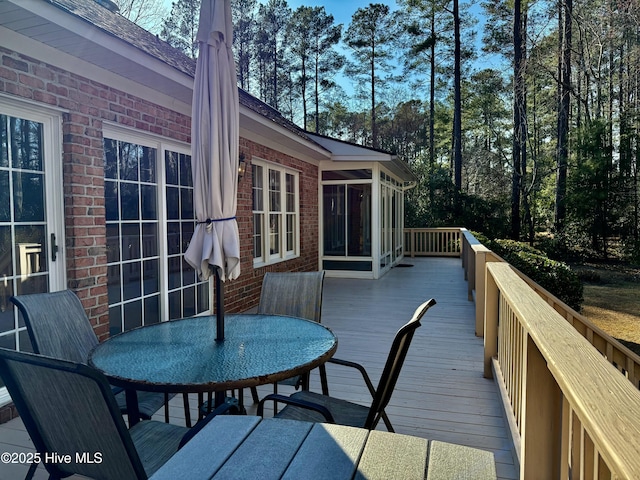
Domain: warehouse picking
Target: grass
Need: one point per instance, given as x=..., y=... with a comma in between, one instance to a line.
x=612, y=300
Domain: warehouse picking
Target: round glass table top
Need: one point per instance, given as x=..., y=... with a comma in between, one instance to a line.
x=184, y=356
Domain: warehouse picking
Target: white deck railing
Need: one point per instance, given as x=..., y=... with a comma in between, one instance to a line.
x=439, y=242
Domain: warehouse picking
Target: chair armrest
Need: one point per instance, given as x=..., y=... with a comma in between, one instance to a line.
x=358, y=367
x=193, y=431
x=116, y=390
x=297, y=403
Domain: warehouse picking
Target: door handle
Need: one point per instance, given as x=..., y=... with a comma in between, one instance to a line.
x=54, y=248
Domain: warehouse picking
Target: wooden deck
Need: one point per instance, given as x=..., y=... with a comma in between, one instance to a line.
x=441, y=393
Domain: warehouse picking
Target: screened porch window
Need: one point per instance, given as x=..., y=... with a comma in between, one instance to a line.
x=347, y=220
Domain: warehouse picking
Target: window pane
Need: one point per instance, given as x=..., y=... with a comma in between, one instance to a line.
x=189, y=299
x=31, y=250
x=152, y=310
x=175, y=304
x=188, y=273
x=28, y=197
x=257, y=235
x=274, y=191
x=202, y=293
x=113, y=282
x=110, y=159
x=258, y=188
x=173, y=238
x=149, y=202
x=186, y=179
x=148, y=165
x=186, y=204
x=129, y=201
x=291, y=193
x=151, y=278
x=291, y=239
x=4, y=141
x=173, y=203
x=111, y=201
x=37, y=284
x=359, y=220
x=130, y=241
x=115, y=320
x=132, y=315
x=346, y=174
x=26, y=144
x=187, y=233
x=171, y=167
x=6, y=265
x=334, y=219
x=113, y=243
x=274, y=234
x=149, y=240
x=175, y=279
x=131, y=280
x=5, y=205
x=129, y=155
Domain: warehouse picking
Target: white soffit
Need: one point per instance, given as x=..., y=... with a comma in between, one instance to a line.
x=62, y=31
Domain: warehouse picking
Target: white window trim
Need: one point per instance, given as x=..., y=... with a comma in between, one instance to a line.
x=51, y=119
x=161, y=144
x=267, y=258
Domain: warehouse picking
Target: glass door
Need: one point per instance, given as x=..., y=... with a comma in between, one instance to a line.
x=31, y=216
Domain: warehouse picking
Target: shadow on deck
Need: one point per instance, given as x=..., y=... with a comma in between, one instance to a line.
x=441, y=393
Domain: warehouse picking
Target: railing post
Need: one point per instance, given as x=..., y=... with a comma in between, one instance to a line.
x=482, y=256
x=542, y=418
x=491, y=312
x=412, y=236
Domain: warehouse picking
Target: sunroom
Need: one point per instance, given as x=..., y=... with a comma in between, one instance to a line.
x=361, y=209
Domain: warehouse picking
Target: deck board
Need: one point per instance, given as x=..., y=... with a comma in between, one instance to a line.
x=441, y=393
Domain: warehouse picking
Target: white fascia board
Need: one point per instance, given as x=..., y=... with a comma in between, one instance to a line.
x=265, y=131
x=349, y=152
x=34, y=49
x=95, y=35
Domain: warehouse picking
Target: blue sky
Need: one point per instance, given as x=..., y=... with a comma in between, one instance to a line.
x=342, y=10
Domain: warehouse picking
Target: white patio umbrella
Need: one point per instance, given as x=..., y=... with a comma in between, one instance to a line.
x=215, y=245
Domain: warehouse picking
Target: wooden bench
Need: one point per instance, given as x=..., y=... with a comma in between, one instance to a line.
x=245, y=447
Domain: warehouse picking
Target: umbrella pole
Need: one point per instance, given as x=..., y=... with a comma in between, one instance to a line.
x=219, y=305
x=220, y=396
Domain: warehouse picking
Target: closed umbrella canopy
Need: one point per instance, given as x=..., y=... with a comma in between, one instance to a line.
x=215, y=243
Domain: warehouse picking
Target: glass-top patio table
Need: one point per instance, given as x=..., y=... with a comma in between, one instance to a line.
x=183, y=356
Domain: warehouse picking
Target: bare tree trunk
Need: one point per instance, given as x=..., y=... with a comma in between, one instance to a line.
x=457, y=109
x=564, y=104
x=374, y=128
x=432, y=102
x=519, y=125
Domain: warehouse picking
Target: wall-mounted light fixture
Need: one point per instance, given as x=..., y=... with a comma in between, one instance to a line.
x=242, y=166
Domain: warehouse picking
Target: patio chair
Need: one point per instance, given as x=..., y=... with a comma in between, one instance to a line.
x=58, y=327
x=72, y=417
x=315, y=407
x=296, y=294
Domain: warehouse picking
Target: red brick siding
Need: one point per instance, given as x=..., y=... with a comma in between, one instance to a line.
x=88, y=104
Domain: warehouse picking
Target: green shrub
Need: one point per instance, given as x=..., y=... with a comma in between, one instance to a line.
x=556, y=277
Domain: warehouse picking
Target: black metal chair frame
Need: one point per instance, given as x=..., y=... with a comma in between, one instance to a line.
x=32, y=426
x=86, y=335
x=388, y=379
x=43, y=443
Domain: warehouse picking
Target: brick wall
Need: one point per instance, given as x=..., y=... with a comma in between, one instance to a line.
x=244, y=293
x=87, y=105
